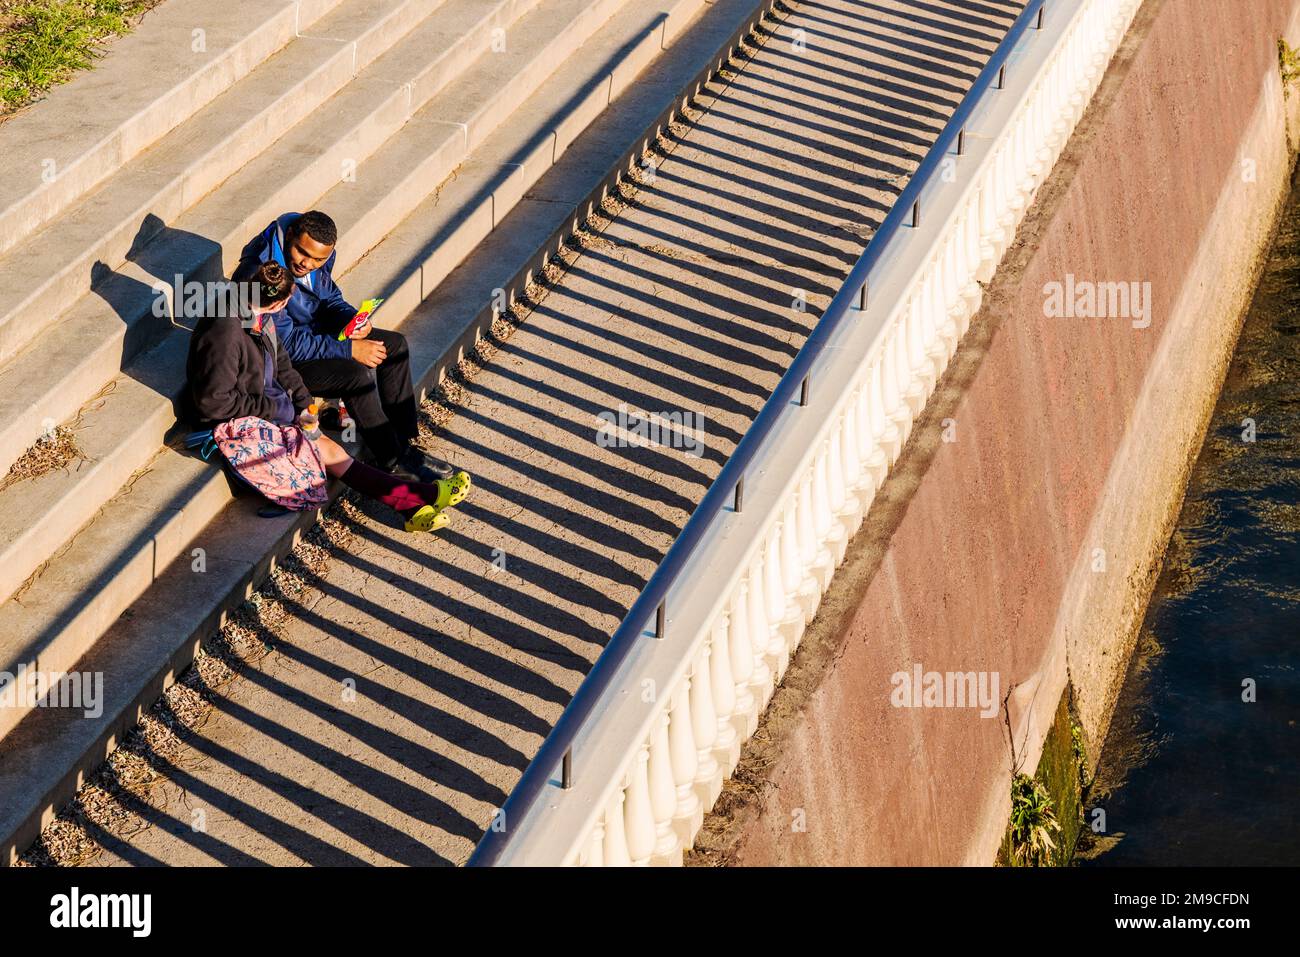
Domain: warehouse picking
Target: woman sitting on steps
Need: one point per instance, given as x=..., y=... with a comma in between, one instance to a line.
x=242, y=386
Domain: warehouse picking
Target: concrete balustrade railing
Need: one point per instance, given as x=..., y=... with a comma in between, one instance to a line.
x=644, y=748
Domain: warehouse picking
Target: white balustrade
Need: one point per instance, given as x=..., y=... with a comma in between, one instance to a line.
x=726, y=704
x=646, y=771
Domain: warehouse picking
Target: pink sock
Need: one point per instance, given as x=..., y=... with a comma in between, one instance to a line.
x=405, y=497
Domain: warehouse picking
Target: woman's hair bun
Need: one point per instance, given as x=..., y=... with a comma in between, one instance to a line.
x=274, y=283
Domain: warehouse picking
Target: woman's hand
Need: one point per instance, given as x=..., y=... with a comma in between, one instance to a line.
x=309, y=422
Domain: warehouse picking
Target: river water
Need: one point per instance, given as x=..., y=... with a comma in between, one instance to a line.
x=1190, y=772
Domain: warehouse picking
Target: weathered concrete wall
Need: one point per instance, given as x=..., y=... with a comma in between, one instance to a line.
x=1073, y=440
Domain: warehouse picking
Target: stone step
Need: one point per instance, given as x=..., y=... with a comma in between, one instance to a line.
x=127, y=424
x=116, y=433
x=56, y=265
x=46, y=756
x=86, y=129
x=307, y=164
x=48, y=380
x=123, y=431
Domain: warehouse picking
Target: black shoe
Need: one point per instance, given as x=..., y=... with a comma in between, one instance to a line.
x=440, y=467
x=419, y=466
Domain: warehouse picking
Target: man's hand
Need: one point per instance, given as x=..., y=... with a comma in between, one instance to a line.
x=361, y=331
x=369, y=353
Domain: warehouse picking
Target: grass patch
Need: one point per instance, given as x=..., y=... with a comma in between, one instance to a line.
x=44, y=42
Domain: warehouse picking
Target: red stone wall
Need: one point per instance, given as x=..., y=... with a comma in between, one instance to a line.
x=1073, y=434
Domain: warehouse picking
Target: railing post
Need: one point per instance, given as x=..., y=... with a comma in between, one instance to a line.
x=566, y=770
x=961, y=141
x=659, y=619
x=1002, y=77
x=916, y=214
x=804, y=391
x=740, y=494
x=862, y=297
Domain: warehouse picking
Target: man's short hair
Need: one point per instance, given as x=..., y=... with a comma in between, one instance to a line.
x=318, y=226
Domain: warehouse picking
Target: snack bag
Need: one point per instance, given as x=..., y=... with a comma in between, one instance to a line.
x=361, y=318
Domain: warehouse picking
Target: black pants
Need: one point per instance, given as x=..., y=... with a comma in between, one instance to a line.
x=381, y=400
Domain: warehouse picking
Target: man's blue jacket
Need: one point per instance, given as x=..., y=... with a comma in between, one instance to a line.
x=309, y=326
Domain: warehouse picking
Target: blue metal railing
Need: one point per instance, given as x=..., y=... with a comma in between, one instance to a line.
x=556, y=751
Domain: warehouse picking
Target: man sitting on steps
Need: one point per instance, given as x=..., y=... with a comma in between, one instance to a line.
x=370, y=371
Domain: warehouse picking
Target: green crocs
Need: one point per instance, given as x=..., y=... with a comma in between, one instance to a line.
x=428, y=519
x=452, y=491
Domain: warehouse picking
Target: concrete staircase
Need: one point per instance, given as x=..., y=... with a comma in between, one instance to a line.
x=419, y=125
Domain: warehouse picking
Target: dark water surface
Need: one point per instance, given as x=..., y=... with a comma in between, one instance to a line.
x=1190, y=773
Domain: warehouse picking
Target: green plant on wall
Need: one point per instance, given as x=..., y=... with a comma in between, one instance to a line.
x=1289, y=62
x=1080, y=755
x=1033, y=822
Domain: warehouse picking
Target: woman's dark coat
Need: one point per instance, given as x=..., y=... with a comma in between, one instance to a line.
x=226, y=371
